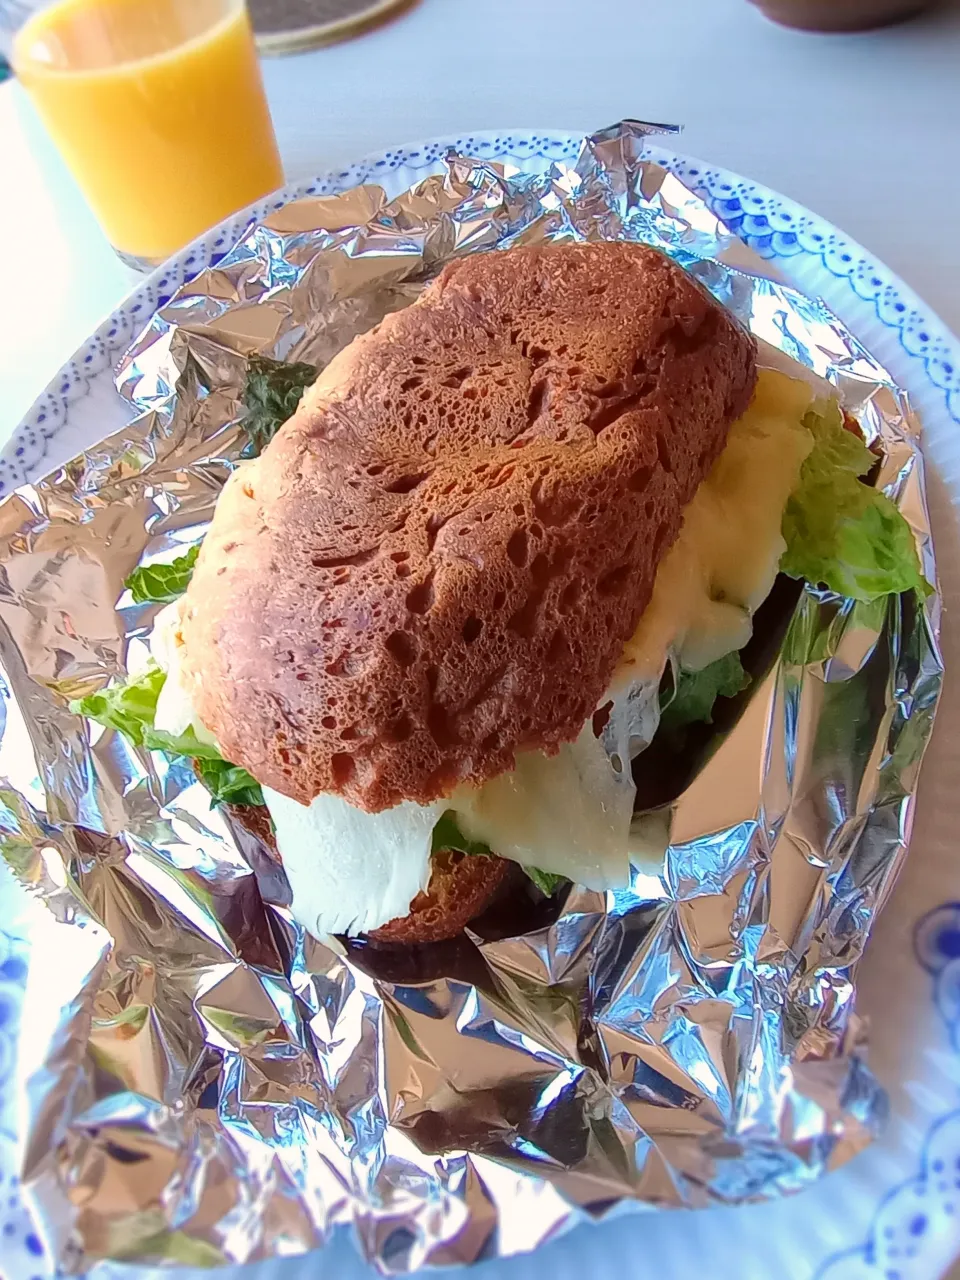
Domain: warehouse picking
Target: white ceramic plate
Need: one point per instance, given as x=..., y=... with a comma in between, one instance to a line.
x=894, y=1212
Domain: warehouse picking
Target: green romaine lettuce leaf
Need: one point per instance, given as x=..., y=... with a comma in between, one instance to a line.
x=180, y=744
x=130, y=707
x=546, y=881
x=162, y=583
x=841, y=532
x=271, y=395
x=697, y=691
x=447, y=835
x=227, y=783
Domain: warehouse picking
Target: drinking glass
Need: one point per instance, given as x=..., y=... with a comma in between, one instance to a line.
x=157, y=107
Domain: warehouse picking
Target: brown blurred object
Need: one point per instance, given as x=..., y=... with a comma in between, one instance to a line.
x=289, y=26
x=842, y=15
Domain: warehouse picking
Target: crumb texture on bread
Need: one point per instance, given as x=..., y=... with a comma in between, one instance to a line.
x=438, y=559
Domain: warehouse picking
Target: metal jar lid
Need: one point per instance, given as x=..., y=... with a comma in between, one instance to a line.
x=291, y=26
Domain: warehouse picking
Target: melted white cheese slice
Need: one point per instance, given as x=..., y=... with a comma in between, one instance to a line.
x=350, y=871
x=175, y=713
x=723, y=564
x=569, y=813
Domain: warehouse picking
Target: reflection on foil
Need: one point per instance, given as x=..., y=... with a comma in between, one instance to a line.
x=212, y=1085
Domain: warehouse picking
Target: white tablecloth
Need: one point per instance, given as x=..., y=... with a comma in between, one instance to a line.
x=862, y=129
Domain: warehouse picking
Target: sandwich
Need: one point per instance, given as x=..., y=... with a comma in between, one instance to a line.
x=502, y=548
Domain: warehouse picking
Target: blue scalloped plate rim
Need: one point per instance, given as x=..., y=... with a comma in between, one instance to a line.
x=895, y=1214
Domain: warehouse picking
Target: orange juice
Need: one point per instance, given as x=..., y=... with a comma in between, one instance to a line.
x=158, y=108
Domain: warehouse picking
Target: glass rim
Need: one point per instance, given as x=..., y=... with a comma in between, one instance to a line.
x=22, y=60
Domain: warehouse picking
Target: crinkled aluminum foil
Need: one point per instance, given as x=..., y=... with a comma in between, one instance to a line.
x=209, y=1084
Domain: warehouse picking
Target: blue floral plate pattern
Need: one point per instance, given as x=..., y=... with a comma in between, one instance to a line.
x=894, y=1212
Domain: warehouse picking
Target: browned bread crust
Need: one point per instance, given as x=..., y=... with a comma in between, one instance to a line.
x=438, y=560
x=460, y=887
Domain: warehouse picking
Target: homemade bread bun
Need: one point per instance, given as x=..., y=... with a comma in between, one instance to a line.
x=461, y=885
x=437, y=561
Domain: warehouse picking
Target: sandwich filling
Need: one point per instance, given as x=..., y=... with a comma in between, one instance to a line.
x=568, y=814
x=785, y=495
